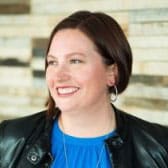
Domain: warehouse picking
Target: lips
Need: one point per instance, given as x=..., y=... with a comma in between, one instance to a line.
x=67, y=90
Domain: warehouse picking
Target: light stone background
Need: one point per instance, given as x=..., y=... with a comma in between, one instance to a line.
x=25, y=27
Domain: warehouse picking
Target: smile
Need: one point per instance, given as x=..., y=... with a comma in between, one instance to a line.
x=67, y=90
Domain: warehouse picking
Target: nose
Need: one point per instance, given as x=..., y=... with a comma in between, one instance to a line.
x=62, y=73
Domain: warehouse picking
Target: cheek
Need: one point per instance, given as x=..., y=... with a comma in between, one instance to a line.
x=93, y=76
x=49, y=79
x=99, y=73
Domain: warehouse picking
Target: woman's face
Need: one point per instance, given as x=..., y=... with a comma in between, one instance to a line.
x=76, y=75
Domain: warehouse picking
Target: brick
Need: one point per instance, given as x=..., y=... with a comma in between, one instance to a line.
x=33, y=92
x=148, y=29
x=150, y=54
x=40, y=42
x=39, y=48
x=147, y=103
x=15, y=77
x=30, y=20
x=14, y=7
x=148, y=4
x=38, y=64
x=151, y=115
x=25, y=31
x=150, y=68
x=27, y=26
x=14, y=111
x=14, y=2
x=57, y=6
x=148, y=41
x=15, y=42
x=22, y=54
x=148, y=92
x=15, y=48
x=149, y=80
x=149, y=15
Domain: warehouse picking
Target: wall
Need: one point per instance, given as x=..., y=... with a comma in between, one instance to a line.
x=25, y=27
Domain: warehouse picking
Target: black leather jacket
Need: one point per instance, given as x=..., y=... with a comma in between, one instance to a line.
x=25, y=143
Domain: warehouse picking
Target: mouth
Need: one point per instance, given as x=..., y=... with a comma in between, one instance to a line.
x=65, y=91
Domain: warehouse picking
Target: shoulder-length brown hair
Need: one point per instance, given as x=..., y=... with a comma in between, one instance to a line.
x=108, y=37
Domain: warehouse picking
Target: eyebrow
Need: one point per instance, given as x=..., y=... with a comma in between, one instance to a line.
x=68, y=55
x=51, y=56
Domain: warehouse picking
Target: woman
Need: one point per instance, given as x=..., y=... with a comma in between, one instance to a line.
x=88, y=59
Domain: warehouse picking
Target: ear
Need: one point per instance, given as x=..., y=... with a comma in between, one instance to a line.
x=112, y=74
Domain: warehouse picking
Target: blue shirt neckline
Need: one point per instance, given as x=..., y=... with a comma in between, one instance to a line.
x=79, y=140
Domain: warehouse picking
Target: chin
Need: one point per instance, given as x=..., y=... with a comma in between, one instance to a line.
x=66, y=108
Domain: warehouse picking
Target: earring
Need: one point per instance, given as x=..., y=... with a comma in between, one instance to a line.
x=114, y=96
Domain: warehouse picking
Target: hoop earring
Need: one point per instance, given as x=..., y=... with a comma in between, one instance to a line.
x=114, y=96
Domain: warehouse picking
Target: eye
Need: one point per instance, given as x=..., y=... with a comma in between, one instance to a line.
x=76, y=61
x=52, y=62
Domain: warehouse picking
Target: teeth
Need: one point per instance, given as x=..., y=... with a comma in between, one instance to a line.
x=66, y=90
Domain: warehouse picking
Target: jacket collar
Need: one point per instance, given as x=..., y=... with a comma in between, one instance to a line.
x=120, y=137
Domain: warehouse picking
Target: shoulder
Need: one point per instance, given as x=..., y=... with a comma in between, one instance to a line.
x=21, y=127
x=136, y=122
x=15, y=134
x=143, y=131
x=149, y=141
x=147, y=126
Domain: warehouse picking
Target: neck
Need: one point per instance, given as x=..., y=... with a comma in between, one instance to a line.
x=89, y=122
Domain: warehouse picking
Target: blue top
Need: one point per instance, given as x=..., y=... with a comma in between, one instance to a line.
x=80, y=152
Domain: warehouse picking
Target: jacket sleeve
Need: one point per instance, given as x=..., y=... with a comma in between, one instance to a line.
x=2, y=127
x=10, y=145
x=14, y=137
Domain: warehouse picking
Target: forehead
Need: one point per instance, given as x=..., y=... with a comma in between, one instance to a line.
x=70, y=40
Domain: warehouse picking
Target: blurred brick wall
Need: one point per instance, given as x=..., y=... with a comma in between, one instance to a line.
x=26, y=25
